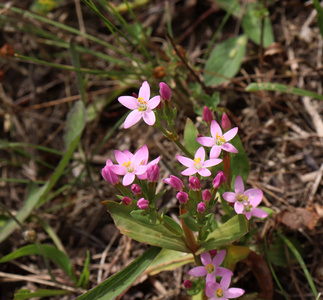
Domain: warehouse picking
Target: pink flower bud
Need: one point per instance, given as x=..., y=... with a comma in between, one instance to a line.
x=165, y=91
x=201, y=207
x=136, y=189
x=187, y=284
x=153, y=173
x=143, y=203
x=194, y=183
x=182, y=197
x=225, y=123
x=206, y=196
x=175, y=182
x=207, y=115
x=213, y=252
x=219, y=179
x=108, y=174
x=126, y=201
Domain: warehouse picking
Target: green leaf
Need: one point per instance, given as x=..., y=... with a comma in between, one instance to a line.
x=225, y=60
x=275, y=87
x=228, y=232
x=26, y=294
x=192, y=224
x=190, y=135
x=319, y=10
x=251, y=23
x=84, y=278
x=161, y=235
x=57, y=256
x=116, y=284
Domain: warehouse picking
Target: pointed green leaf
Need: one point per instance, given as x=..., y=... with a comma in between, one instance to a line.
x=84, y=278
x=190, y=135
x=225, y=60
x=116, y=284
x=27, y=294
x=162, y=235
x=228, y=232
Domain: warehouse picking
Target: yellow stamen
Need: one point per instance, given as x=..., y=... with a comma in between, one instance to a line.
x=142, y=104
x=197, y=160
x=127, y=164
x=219, y=292
x=209, y=268
x=219, y=138
x=242, y=198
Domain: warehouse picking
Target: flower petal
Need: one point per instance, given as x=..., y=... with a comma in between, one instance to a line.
x=144, y=91
x=197, y=271
x=200, y=153
x=222, y=272
x=230, y=197
x=215, y=152
x=118, y=170
x=206, y=141
x=215, y=129
x=204, y=172
x=229, y=135
x=247, y=214
x=132, y=119
x=206, y=258
x=210, y=277
x=140, y=170
x=238, y=207
x=141, y=156
x=229, y=148
x=185, y=161
x=129, y=102
x=219, y=258
x=188, y=172
x=212, y=162
x=232, y=293
x=120, y=157
x=210, y=289
x=259, y=213
x=149, y=117
x=255, y=196
x=128, y=179
x=153, y=102
x=225, y=282
x=238, y=185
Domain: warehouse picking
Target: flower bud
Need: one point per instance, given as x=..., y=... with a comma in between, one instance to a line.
x=225, y=122
x=187, y=284
x=164, y=91
x=126, y=201
x=143, y=203
x=153, y=173
x=213, y=252
x=201, y=207
x=218, y=180
x=175, y=182
x=108, y=174
x=136, y=189
x=206, y=196
x=194, y=183
x=207, y=115
x=182, y=197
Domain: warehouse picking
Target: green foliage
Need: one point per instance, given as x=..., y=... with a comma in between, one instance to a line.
x=27, y=294
x=190, y=135
x=225, y=60
x=319, y=10
x=85, y=276
x=116, y=284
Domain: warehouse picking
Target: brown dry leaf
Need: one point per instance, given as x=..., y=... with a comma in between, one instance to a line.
x=299, y=217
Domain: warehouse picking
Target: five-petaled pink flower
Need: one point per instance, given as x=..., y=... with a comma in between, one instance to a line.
x=211, y=267
x=141, y=107
x=198, y=164
x=221, y=291
x=218, y=140
x=130, y=164
x=245, y=202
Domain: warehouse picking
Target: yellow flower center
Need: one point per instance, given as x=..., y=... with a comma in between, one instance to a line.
x=197, y=163
x=248, y=207
x=142, y=104
x=219, y=292
x=219, y=139
x=242, y=198
x=209, y=268
x=128, y=166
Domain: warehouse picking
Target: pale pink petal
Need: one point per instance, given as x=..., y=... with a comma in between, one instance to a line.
x=255, y=196
x=141, y=156
x=129, y=102
x=132, y=119
x=225, y=282
x=128, y=179
x=206, y=141
x=210, y=277
x=128, y=154
x=118, y=170
x=153, y=102
x=219, y=258
x=259, y=213
x=188, y=172
x=204, y=172
x=140, y=170
x=142, y=176
x=229, y=135
x=247, y=214
x=223, y=272
x=149, y=117
x=215, y=129
x=154, y=161
x=230, y=197
x=206, y=258
x=232, y=293
x=238, y=185
x=229, y=148
x=185, y=161
x=144, y=91
x=108, y=162
x=238, y=207
x=120, y=157
x=198, y=271
x=215, y=152
x=200, y=153
x=212, y=162
x=210, y=289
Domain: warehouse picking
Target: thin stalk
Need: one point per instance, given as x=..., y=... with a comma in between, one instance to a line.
x=190, y=238
x=226, y=166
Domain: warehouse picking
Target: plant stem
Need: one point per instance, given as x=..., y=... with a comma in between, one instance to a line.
x=226, y=165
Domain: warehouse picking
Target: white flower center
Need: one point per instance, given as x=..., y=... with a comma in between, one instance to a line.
x=129, y=166
x=219, y=139
x=197, y=163
x=242, y=198
x=142, y=104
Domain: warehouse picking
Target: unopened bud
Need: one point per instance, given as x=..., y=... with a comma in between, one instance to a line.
x=218, y=180
x=194, y=183
x=187, y=284
x=225, y=123
x=213, y=252
x=136, y=189
x=126, y=201
x=175, y=182
x=143, y=203
x=153, y=173
x=207, y=115
x=164, y=91
x=206, y=196
x=201, y=207
x=182, y=197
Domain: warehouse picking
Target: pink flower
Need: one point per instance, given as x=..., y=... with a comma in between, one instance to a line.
x=164, y=91
x=198, y=164
x=175, y=182
x=245, y=202
x=153, y=173
x=218, y=140
x=141, y=107
x=143, y=203
x=182, y=197
x=211, y=267
x=201, y=207
x=130, y=164
x=108, y=174
x=144, y=162
x=216, y=291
